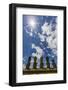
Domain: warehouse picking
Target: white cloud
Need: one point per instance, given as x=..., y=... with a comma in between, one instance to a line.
x=42, y=37
x=46, y=28
x=54, y=51
x=39, y=51
x=29, y=32
x=51, y=37
x=38, y=55
x=33, y=45
x=52, y=41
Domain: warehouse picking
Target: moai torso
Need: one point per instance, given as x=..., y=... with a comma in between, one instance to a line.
x=47, y=62
x=28, y=64
x=41, y=62
x=54, y=64
x=35, y=63
x=31, y=63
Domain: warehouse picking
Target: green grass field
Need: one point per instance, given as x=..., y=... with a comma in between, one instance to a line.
x=39, y=71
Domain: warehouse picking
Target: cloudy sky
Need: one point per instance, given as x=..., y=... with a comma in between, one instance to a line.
x=39, y=37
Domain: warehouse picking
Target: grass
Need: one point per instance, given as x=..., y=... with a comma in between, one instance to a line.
x=39, y=71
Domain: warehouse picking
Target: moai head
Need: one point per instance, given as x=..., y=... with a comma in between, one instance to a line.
x=28, y=63
x=29, y=59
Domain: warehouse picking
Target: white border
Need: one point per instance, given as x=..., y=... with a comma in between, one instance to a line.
x=20, y=78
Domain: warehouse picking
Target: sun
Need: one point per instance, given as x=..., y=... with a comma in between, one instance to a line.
x=32, y=23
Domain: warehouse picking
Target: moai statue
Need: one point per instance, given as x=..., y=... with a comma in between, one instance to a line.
x=38, y=63
x=41, y=62
x=31, y=63
x=35, y=63
x=28, y=64
x=45, y=65
x=51, y=65
x=54, y=64
x=47, y=62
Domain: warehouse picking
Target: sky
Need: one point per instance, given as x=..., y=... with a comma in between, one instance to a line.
x=39, y=37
